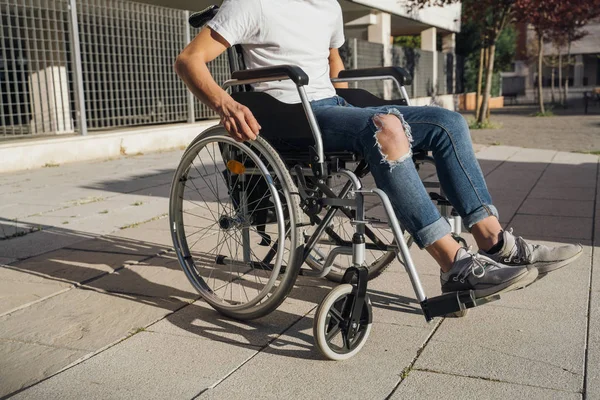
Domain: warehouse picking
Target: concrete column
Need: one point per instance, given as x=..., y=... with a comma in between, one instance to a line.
x=48, y=82
x=449, y=46
x=578, y=71
x=429, y=43
x=381, y=32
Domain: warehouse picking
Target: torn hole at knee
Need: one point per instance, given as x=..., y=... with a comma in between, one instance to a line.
x=393, y=137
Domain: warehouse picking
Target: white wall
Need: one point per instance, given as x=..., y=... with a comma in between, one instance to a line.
x=447, y=18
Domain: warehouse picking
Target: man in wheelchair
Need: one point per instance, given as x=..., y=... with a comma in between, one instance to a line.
x=308, y=33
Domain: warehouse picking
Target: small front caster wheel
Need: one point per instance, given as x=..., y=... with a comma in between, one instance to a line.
x=332, y=321
x=460, y=240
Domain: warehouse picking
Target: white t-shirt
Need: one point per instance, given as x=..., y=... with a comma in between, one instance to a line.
x=275, y=32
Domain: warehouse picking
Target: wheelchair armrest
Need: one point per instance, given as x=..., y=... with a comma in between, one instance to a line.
x=293, y=72
x=400, y=74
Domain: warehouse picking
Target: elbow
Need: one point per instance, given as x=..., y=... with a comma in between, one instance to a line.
x=181, y=64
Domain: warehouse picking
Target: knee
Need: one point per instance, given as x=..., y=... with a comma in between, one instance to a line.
x=392, y=137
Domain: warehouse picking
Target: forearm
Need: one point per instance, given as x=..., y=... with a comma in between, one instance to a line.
x=197, y=77
x=335, y=66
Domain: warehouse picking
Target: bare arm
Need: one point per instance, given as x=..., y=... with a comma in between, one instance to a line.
x=192, y=69
x=335, y=66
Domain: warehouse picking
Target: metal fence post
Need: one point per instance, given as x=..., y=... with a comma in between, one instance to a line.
x=77, y=70
x=190, y=95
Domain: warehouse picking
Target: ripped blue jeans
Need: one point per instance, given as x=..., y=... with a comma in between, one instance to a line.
x=443, y=132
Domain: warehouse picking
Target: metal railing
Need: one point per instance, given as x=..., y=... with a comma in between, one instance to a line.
x=67, y=66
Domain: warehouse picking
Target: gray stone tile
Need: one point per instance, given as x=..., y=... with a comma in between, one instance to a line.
x=157, y=277
x=428, y=385
x=291, y=367
x=593, y=350
x=6, y=261
x=74, y=266
x=84, y=319
x=537, y=226
x=135, y=246
x=201, y=321
x=40, y=242
x=147, y=365
x=513, y=345
x=23, y=364
x=20, y=288
x=562, y=193
x=558, y=208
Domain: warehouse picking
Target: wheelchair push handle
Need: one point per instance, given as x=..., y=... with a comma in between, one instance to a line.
x=200, y=18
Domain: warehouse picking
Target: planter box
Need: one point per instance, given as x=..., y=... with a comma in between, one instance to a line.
x=466, y=102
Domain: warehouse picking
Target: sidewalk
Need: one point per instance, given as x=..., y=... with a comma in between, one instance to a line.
x=93, y=303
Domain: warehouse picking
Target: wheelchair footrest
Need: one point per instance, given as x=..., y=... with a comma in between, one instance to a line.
x=453, y=302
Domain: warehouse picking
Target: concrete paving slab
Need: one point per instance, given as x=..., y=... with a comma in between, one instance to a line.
x=121, y=245
x=199, y=320
x=39, y=242
x=534, y=336
x=21, y=288
x=535, y=157
x=592, y=388
x=569, y=176
x=558, y=208
x=23, y=364
x=497, y=153
x=537, y=226
x=562, y=193
x=75, y=266
x=291, y=367
x=148, y=365
x=157, y=277
x=510, y=345
x=6, y=261
x=83, y=319
x=428, y=385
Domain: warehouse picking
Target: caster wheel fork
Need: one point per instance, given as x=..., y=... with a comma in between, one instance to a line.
x=343, y=319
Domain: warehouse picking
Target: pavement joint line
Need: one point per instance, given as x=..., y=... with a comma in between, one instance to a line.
x=515, y=356
x=23, y=306
x=40, y=344
x=73, y=285
x=483, y=378
x=501, y=163
x=590, y=292
x=552, y=215
x=258, y=352
x=406, y=371
x=532, y=188
x=94, y=353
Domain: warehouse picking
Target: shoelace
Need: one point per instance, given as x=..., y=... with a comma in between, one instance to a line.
x=524, y=250
x=477, y=264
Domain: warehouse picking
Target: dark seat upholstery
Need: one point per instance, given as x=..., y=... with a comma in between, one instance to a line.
x=286, y=127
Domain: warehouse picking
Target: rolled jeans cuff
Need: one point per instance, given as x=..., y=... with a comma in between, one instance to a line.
x=432, y=233
x=479, y=214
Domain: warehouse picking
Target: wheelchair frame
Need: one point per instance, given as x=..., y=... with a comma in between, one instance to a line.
x=351, y=199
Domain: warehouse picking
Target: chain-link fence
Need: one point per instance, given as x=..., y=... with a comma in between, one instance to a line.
x=70, y=65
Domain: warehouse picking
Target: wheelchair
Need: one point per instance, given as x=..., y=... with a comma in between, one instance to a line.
x=247, y=218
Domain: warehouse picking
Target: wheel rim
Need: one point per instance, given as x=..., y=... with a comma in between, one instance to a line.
x=229, y=270
x=332, y=320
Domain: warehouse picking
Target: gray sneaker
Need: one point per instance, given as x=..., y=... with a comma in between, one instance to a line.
x=483, y=275
x=517, y=252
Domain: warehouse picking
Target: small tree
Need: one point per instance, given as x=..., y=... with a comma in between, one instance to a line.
x=492, y=16
x=543, y=16
x=569, y=28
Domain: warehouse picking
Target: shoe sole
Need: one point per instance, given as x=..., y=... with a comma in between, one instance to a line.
x=526, y=278
x=544, y=268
